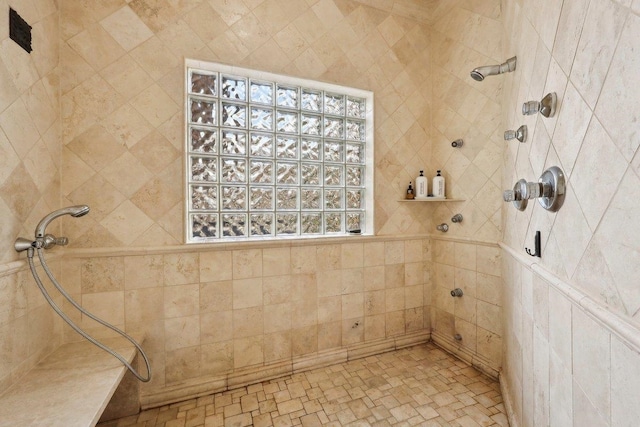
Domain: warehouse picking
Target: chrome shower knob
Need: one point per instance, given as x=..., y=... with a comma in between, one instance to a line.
x=546, y=107
x=520, y=134
x=457, y=143
x=549, y=190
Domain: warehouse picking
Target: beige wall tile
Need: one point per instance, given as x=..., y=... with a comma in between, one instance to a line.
x=374, y=254
x=181, y=300
x=180, y=269
x=145, y=271
x=247, y=263
x=374, y=278
x=215, y=265
x=216, y=358
x=329, y=335
x=248, y=322
x=216, y=296
x=216, y=327
x=248, y=351
x=181, y=332
x=276, y=261
x=247, y=293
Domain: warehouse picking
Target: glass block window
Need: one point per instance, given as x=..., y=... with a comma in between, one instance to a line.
x=271, y=156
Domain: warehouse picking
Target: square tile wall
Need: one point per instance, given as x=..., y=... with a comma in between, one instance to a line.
x=212, y=314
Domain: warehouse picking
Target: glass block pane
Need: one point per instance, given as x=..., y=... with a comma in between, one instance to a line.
x=234, y=115
x=354, y=176
x=234, y=198
x=311, y=125
x=333, y=128
x=354, y=199
x=287, y=173
x=204, y=197
x=204, y=169
x=287, y=223
x=356, y=107
x=205, y=84
x=287, y=97
x=311, y=223
x=333, y=222
x=262, y=224
x=233, y=225
x=261, y=118
x=355, y=221
x=355, y=153
x=333, y=198
x=234, y=88
x=203, y=226
x=261, y=198
x=261, y=172
x=261, y=145
x=287, y=122
x=311, y=199
x=287, y=147
x=355, y=130
x=333, y=151
x=234, y=170
x=310, y=149
x=287, y=199
x=262, y=93
x=333, y=175
x=234, y=143
x=203, y=112
x=204, y=141
x=334, y=104
x=311, y=100
x=310, y=174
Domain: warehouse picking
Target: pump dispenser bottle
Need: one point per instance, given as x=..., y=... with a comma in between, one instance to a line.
x=410, y=194
x=422, y=186
x=438, y=186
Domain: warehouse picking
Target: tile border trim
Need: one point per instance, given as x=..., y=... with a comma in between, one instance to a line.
x=626, y=331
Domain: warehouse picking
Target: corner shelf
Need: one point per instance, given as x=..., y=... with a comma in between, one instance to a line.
x=430, y=199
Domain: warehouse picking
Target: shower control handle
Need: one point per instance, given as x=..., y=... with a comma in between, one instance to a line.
x=444, y=227
x=546, y=107
x=520, y=134
x=549, y=190
x=457, y=143
x=50, y=241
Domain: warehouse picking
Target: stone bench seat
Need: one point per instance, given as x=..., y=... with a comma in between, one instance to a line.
x=71, y=387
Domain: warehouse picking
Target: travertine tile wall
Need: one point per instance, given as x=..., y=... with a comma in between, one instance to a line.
x=215, y=317
x=465, y=35
x=122, y=98
x=118, y=136
x=563, y=364
x=29, y=181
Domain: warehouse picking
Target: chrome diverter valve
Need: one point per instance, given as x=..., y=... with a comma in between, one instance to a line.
x=549, y=190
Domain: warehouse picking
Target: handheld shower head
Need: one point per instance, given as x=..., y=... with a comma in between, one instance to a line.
x=478, y=74
x=74, y=211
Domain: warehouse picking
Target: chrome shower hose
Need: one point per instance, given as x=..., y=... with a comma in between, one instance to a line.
x=86, y=313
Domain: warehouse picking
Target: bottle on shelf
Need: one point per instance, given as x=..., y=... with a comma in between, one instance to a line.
x=438, y=186
x=410, y=194
x=422, y=186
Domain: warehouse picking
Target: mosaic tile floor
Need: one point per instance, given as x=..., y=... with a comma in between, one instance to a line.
x=417, y=386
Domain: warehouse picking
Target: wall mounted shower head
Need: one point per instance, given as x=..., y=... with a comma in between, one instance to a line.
x=74, y=211
x=480, y=73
